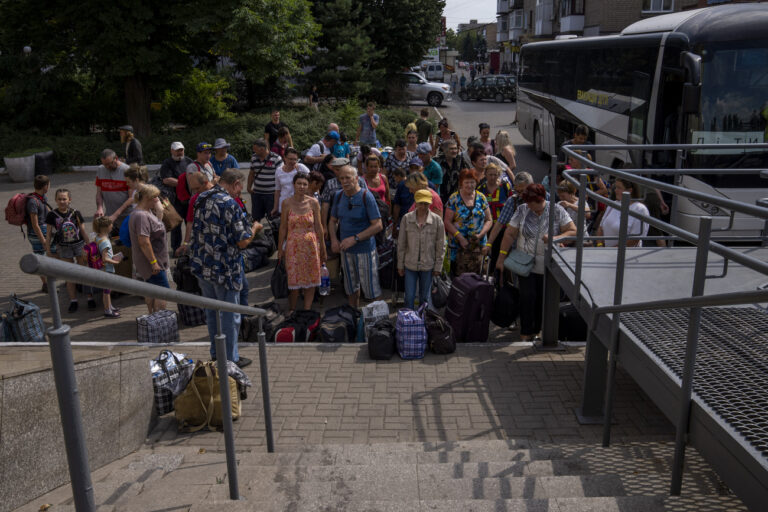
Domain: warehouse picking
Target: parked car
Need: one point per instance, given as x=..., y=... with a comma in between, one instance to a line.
x=491, y=87
x=419, y=89
x=433, y=70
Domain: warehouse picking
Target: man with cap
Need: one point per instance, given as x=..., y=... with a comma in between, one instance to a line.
x=111, y=187
x=222, y=160
x=420, y=248
x=318, y=150
x=261, y=179
x=133, y=152
x=203, y=161
x=357, y=218
x=170, y=170
x=432, y=169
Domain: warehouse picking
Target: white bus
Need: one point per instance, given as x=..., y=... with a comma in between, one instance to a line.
x=691, y=77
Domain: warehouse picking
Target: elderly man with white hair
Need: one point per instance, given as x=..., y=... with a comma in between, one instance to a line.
x=170, y=170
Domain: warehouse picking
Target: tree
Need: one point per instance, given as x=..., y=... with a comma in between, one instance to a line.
x=344, y=62
x=142, y=46
x=451, y=39
x=467, y=48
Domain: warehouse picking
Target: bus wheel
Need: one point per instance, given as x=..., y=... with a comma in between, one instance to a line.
x=537, y=142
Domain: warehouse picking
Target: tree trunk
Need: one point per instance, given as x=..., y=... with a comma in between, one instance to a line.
x=137, y=100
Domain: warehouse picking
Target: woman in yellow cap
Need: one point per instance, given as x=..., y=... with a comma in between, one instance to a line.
x=420, y=248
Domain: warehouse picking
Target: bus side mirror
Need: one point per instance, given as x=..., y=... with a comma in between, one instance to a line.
x=691, y=98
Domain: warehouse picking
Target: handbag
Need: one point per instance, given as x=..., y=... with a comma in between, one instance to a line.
x=159, y=327
x=171, y=373
x=278, y=283
x=469, y=259
x=24, y=321
x=520, y=262
x=171, y=218
x=199, y=406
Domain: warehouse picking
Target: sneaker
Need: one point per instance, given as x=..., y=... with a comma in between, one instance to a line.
x=243, y=362
x=115, y=309
x=111, y=314
x=72, y=306
x=91, y=305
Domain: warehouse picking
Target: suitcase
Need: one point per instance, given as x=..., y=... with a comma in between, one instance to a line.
x=470, y=303
x=191, y=315
x=571, y=326
x=381, y=340
x=506, y=305
x=411, y=333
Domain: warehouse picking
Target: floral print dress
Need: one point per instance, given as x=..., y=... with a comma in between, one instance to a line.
x=468, y=220
x=302, y=252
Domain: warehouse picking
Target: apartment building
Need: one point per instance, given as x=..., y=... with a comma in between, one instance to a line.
x=522, y=21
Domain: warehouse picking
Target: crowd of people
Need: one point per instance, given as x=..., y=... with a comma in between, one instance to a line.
x=446, y=206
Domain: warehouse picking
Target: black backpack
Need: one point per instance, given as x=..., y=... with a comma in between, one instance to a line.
x=183, y=277
x=249, y=325
x=381, y=340
x=339, y=325
x=439, y=333
x=300, y=327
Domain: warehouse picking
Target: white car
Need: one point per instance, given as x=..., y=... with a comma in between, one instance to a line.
x=418, y=88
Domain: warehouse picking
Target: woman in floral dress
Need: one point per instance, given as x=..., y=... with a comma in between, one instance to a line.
x=467, y=220
x=298, y=248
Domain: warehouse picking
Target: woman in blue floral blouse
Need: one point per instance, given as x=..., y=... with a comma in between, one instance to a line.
x=467, y=220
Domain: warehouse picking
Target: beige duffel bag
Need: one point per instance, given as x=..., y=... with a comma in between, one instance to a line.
x=199, y=405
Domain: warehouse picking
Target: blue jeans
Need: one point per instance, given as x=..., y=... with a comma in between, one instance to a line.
x=230, y=322
x=261, y=205
x=244, y=289
x=424, y=280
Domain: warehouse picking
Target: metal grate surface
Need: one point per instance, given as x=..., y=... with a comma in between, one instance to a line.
x=731, y=374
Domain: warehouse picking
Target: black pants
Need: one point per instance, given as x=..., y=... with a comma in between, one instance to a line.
x=176, y=233
x=531, y=303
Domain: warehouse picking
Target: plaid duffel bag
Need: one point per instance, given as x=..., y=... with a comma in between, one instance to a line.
x=159, y=327
x=191, y=315
x=171, y=372
x=24, y=321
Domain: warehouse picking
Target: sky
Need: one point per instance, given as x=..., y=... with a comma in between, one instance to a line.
x=461, y=11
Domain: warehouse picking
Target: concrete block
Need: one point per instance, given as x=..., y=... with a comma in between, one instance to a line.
x=99, y=386
x=136, y=401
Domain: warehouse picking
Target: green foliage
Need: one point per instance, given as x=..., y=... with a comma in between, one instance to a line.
x=306, y=125
x=202, y=97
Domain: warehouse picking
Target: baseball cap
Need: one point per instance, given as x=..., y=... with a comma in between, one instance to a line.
x=423, y=196
x=333, y=134
x=176, y=145
x=424, y=148
x=338, y=162
x=203, y=146
x=416, y=161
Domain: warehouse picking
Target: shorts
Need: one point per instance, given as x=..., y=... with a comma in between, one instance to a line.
x=361, y=271
x=68, y=252
x=159, y=279
x=37, y=244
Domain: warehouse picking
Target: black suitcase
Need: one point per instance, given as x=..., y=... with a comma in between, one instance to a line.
x=469, y=307
x=381, y=341
x=571, y=326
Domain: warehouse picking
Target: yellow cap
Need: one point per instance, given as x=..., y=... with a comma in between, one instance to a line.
x=423, y=196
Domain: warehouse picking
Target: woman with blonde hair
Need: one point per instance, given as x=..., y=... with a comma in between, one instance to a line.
x=505, y=150
x=149, y=249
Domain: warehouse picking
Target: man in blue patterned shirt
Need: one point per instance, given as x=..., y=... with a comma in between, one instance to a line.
x=219, y=231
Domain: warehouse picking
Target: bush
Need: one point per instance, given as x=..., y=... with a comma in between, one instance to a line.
x=306, y=125
x=202, y=97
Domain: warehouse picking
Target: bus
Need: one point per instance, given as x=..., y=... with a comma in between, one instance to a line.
x=690, y=77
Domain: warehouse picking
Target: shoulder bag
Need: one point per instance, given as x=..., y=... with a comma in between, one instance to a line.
x=520, y=262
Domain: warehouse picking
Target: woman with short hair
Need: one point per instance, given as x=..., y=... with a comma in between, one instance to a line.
x=467, y=220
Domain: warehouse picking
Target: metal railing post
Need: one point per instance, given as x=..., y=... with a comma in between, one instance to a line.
x=265, y=386
x=226, y=409
x=621, y=256
x=68, y=395
x=551, y=303
x=691, y=347
x=580, y=235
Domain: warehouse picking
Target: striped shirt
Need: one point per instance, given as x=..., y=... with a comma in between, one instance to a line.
x=264, y=172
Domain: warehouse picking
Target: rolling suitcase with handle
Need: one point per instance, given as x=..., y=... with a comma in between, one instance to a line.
x=470, y=303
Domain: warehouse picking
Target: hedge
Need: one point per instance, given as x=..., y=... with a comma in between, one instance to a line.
x=306, y=125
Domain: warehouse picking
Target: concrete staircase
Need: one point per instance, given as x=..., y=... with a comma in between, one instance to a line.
x=472, y=476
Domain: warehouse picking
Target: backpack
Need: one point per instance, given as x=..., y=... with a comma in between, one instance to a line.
x=300, y=327
x=93, y=256
x=339, y=325
x=411, y=333
x=16, y=210
x=381, y=340
x=183, y=277
x=125, y=232
x=67, y=231
x=249, y=325
x=439, y=333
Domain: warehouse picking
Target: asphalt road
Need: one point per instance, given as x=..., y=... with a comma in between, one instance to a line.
x=465, y=116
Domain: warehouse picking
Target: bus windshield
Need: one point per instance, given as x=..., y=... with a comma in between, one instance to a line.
x=734, y=104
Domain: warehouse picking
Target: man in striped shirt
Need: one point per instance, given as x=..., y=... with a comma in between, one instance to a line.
x=261, y=179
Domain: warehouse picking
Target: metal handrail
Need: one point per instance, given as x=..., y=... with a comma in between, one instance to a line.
x=64, y=369
x=703, y=242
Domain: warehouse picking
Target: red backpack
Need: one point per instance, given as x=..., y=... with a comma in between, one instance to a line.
x=16, y=211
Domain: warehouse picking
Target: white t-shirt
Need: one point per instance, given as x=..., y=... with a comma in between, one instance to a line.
x=612, y=218
x=284, y=182
x=207, y=168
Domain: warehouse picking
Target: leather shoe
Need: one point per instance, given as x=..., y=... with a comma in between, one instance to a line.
x=243, y=362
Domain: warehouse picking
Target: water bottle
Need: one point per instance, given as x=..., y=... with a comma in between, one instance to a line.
x=325, y=281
